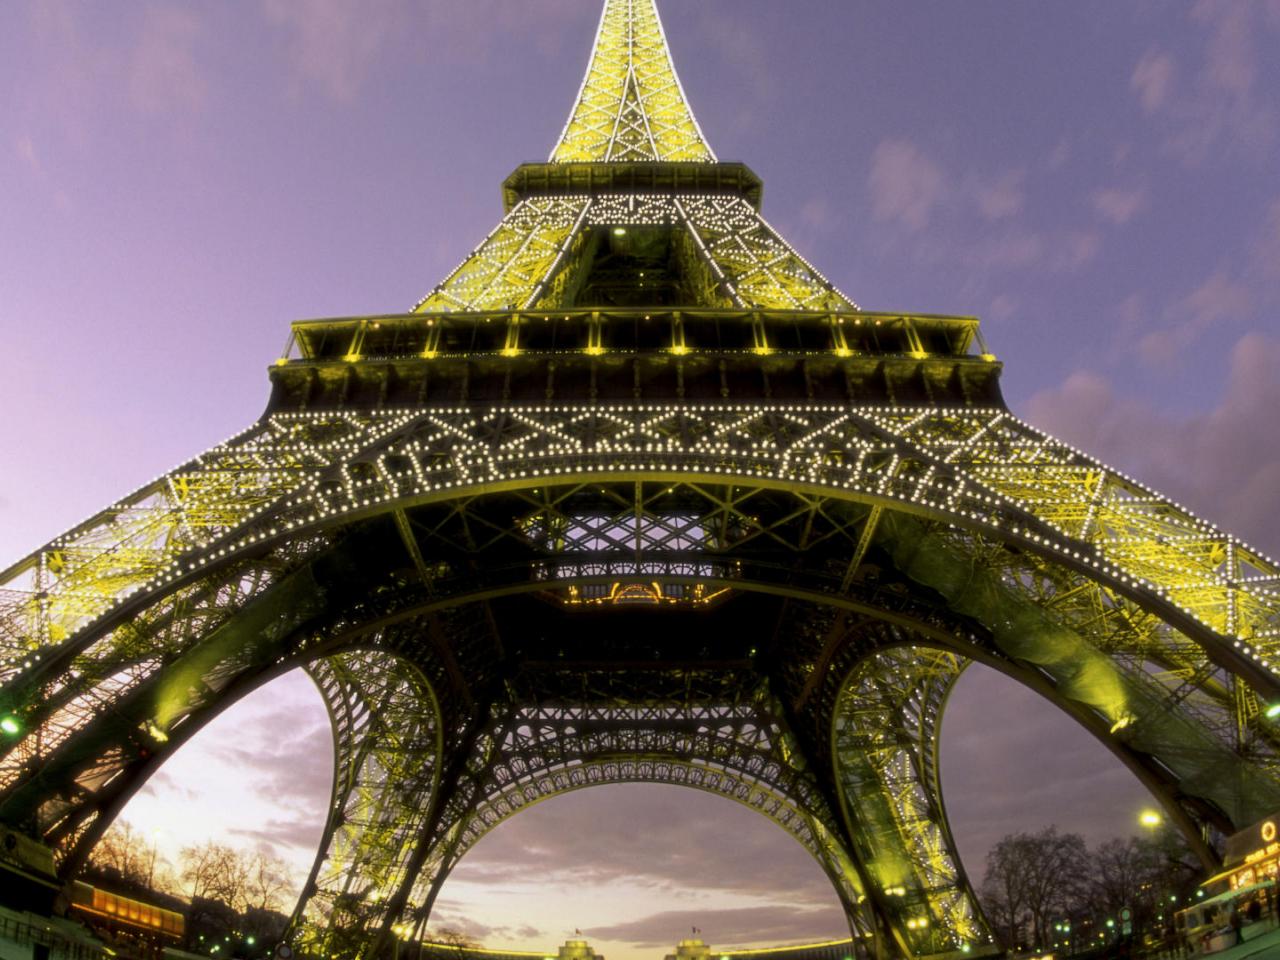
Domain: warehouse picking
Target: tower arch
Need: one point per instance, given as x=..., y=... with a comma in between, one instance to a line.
x=633, y=461
x=342, y=597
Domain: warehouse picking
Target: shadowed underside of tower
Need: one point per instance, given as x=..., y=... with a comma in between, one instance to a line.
x=635, y=494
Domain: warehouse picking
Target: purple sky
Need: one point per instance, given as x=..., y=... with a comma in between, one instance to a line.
x=1097, y=180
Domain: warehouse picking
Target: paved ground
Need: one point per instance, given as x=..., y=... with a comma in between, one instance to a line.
x=1264, y=946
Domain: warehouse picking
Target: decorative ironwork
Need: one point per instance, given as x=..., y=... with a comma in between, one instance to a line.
x=636, y=495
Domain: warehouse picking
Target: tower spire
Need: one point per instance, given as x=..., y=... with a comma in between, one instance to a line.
x=631, y=105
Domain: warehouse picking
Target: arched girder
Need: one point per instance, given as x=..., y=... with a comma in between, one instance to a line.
x=928, y=627
x=844, y=508
x=388, y=749
x=735, y=749
x=962, y=466
x=880, y=603
x=884, y=747
x=808, y=830
x=80, y=829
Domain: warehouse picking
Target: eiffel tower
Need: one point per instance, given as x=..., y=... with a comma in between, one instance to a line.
x=636, y=495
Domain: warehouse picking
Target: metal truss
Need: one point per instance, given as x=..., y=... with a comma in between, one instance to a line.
x=631, y=105
x=885, y=735
x=388, y=750
x=1156, y=680
x=518, y=265
x=508, y=270
x=736, y=750
x=759, y=268
x=525, y=754
x=792, y=578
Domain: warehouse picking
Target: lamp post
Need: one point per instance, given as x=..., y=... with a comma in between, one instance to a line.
x=151, y=868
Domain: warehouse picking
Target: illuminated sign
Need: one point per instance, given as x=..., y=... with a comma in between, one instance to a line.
x=1270, y=850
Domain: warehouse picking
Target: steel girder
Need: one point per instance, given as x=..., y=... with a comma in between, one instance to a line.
x=737, y=750
x=885, y=741
x=388, y=752
x=631, y=105
x=437, y=566
x=790, y=501
x=1165, y=581
x=523, y=263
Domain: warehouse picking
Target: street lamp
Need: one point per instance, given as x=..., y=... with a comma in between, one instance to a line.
x=1150, y=819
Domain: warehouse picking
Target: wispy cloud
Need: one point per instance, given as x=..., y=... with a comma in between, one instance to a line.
x=1219, y=106
x=1002, y=198
x=164, y=72
x=727, y=927
x=905, y=185
x=1118, y=205
x=333, y=44
x=1152, y=80
x=1221, y=298
x=1225, y=464
x=25, y=147
x=665, y=836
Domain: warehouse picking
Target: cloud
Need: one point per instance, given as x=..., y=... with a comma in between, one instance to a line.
x=294, y=767
x=816, y=213
x=1219, y=107
x=164, y=780
x=1152, y=80
x=1219, y=299
x=1004, y=197
x=1074, y=249
x=663, y=836
x=1231, y=60
x=332, y=43
x=163, y=73
x=1117, y=205
x=905, y=185
x=26, y=150
x=299, y=834
x=1017, y=247
x=1003, y=306
x=1225, y=465
x=726, y=927
x=1263, y=267
x=1059, y=155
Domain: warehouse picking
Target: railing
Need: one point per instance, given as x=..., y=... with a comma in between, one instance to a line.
x=60, y=944
x=636, y=330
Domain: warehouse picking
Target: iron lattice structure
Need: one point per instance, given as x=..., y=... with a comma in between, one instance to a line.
x=636, y=495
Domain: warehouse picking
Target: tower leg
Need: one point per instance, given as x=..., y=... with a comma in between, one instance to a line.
x=387, y=768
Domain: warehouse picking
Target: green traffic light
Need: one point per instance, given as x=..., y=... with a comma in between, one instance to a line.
x=11, y=725
x=1273, y=710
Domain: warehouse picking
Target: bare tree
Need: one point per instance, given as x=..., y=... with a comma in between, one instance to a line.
x=1143, y=873
x=1030, y=879
x=1003, y=891
x=268, y=879
x=451, y=938
x=1058, y=868
x=215, y=871
x=122, y=851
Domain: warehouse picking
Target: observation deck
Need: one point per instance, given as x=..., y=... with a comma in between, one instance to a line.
x=634, y=353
